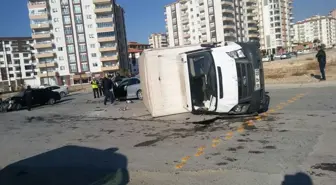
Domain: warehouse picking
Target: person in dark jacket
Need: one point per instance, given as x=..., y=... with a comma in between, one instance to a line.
x=100, y=87
x=28, y=94
x=108, y=89
x=322, y=60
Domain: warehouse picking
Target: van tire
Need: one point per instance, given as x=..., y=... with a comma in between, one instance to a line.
x=139, y=95
x=18, y=107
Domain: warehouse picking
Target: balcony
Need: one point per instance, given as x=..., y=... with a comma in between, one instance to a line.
x=101, y=1
x=253, y=35
x=109, y=58
x=106, y=29
x=43, y=25
x=43, y=45
x=41, y=4
x=186, y=35
x=106, y=39
x=41, y=35
x=184, y=7
x=186, y=28
x=103, y=9
x=229, y=26
x=227, y=2
x=45, y=55
x=111, y=48
x=47, y=64
x=185, y=21
x=228, y=19
x=105, y=19
x=110, y=68
x=46, y=74
x=254, y=28
x=39, y=16
x=225, y=10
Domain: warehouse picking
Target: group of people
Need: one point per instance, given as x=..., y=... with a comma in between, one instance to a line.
x=103, y=86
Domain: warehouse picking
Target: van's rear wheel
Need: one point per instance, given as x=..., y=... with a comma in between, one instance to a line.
x=51, y=101
x=139, y=95
x=18, y=107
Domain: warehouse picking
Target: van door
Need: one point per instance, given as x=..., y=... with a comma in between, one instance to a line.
x=203, y=81
x=227, y=80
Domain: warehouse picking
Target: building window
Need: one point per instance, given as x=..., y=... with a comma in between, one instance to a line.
x=54, y=10
x=71, y=48
x=62, y=68
x=81, y=38
x=25, y=54
x=89, y=16
x=95, y=64
x=26, y=61
x=56, y=20
x=92, y=45
x=16, y=61
x=75, y=1
x=7, y=49
x=61, y=58
x=11, y=75
x=78, y=19
x=65, y=10
x=85, y=66
x=72, y=58
x=73, y=68
x=87, y=7
x=57, y=29
x=67, y=19
x=16, y=55
x=80, y=28
x=68, y=30
x=105, y=34
x=82, y=48
x=60, y=49
x=91, y=36
x=90, y=26
x=77, y=9
x=83, y=57
x=69, y=39
x=104, y=24
x=94, y=54
x=28, y=74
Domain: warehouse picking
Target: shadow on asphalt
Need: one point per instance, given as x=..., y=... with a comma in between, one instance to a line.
x=297, y=179
x=69, y=165
x=318, y=77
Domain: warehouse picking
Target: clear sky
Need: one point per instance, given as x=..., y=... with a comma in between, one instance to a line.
x=143, y=17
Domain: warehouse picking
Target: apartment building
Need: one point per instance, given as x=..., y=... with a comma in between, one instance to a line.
x=198, y=21
x=77, y=39
x=276, y=25
x=318, y=27
x=332, y=13
x=17, y=64
x=158, y=40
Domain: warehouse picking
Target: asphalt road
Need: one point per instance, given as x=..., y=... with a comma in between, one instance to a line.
x=81, y=141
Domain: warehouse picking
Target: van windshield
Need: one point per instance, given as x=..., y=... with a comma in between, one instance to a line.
x=203, y=84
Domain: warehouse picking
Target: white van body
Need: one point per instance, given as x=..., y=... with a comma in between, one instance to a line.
x=166, y=82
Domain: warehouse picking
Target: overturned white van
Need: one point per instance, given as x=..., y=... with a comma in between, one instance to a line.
x=208, y=78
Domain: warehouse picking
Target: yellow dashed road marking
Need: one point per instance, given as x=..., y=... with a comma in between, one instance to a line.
x=240, y=129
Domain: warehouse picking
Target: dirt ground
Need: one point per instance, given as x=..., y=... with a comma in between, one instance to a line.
x=303, y=69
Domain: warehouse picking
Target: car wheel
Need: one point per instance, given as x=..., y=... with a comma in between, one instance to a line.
x=51, y=101
x=62, y=94
x=18, y=106
x=139, y=94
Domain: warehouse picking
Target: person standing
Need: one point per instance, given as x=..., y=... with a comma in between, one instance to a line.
x=94, y=85
x=108, y=89
x=28, y=94
x=100, y=86
x=322, y=60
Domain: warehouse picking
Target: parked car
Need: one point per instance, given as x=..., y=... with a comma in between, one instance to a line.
x=118, y=80
x=129, y=88
x=62, y=90
x=285, y=56
x=266, y=59
x=40, y=97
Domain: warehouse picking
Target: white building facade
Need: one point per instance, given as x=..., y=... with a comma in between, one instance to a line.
x=276, y=25
x=322, y=28
x=77, y=39
x=158, y=40
x=17, y=64
x=198, y=21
